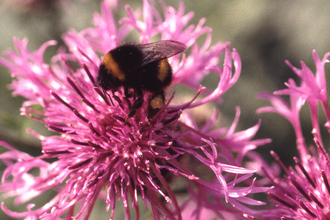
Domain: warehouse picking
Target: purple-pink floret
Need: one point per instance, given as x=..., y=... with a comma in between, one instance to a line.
x=100, y=154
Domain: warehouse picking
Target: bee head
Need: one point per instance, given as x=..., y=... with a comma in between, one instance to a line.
x=106, y=79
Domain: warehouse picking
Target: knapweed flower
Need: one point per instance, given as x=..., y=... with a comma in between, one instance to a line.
x=304, y=192
x=99, y=153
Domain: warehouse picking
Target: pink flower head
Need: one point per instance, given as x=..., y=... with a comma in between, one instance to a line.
x=98, y=148
x=304, y=191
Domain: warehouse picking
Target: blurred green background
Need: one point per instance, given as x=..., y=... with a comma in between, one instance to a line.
x=265, y=33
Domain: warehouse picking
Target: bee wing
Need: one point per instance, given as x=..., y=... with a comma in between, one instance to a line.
x=160, y=50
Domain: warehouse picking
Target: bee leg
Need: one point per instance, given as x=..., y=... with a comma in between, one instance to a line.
x=137, y=103
x=156, y=102
x=128, y=92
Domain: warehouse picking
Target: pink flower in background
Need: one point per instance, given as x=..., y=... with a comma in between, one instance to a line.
x=304, y=191
x=99, y=155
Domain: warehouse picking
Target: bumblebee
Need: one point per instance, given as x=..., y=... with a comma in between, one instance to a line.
x=141, y=67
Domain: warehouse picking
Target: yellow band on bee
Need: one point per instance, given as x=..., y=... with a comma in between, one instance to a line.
x=163, y=70
x=112, y=65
